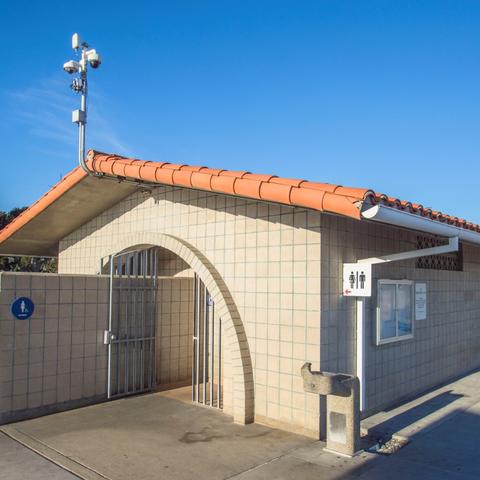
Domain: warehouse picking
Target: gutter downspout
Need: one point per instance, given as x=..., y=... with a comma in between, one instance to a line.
x=452, y=246
x=411, y=221
x=360, y=349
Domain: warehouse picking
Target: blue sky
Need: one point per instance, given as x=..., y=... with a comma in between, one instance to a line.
x=377, y=94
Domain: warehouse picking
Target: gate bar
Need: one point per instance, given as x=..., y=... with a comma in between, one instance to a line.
x=110, y=301
x=212, y=354
x=197, y=352
x=219, y=386
x=154, y=317
x=194, y=333
x=205, y=343
x=142, y=322
x=119, y=318
x=127, y=323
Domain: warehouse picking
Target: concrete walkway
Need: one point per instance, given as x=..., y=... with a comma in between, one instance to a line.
x=426, y=411
x=154, y=437
x=20, y=463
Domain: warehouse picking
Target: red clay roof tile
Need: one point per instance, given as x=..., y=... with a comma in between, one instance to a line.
x=324, y=197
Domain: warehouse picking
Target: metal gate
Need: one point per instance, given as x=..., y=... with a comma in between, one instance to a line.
x=131, y=324
x=207, y=349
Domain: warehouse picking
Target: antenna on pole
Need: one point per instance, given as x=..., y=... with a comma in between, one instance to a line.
x=79, y=85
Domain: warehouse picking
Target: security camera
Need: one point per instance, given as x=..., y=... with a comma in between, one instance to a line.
x=94, y=58
x=71, y=66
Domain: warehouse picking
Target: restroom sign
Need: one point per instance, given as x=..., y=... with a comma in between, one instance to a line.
x=22, y=308
x=357, y=279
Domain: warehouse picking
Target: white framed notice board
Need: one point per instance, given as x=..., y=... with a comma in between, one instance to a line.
x=420, y=300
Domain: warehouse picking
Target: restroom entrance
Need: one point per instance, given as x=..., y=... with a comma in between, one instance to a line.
x=207, y=348
x=164, y=332
x=132, y=323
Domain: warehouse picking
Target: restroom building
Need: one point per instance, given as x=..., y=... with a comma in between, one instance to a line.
x=223, y=284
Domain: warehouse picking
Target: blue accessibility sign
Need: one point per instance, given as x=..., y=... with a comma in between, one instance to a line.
x=22, y=308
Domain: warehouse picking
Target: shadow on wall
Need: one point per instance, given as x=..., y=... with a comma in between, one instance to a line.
x=169, y=264
x=238, y=206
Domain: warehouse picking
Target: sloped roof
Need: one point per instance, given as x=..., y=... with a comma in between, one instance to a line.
x=79, y=197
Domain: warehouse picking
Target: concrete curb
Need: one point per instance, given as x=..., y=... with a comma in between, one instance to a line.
x=53, y=455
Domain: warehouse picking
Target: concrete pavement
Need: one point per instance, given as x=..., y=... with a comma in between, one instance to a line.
x=155, y=437
x=19, y=463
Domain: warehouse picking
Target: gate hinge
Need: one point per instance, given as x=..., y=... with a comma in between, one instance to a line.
x=108, y=336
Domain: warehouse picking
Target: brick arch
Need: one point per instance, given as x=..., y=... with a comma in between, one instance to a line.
x=234, y=333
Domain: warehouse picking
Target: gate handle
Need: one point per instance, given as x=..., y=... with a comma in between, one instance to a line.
x=108, y=337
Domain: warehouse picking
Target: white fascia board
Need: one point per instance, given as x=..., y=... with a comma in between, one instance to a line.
x=400, y=218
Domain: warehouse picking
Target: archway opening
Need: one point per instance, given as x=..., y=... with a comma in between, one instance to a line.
x=194, y=314
x=238, y=383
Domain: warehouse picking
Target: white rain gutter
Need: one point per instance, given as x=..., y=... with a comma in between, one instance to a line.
x=401, y=218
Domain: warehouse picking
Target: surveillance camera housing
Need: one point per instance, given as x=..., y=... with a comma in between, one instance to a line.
x=94, y=59
x=71, y=66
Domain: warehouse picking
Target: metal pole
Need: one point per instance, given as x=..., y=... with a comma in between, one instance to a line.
x=194, y=334
x=148, y=302
x=197, y=350
x=136, y=263
x=142, y=326
x=83, y=108
x=360, y=347
x=205, y=343
x=219, y=386
x=110, y=307
x=154, y=316
x=88, y=57
x=119, y=320
x=127, y=322
x=212, y=355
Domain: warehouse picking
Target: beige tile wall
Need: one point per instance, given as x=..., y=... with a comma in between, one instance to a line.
x=446, y=344
x=269, y=257
x=174, y=330
x=56, y=358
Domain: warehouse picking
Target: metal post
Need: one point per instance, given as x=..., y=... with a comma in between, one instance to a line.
x=194, y=335
x=142, y=342
x=135, y=267
x=88, y=57
x=126, y=332
x=212, y=355
x=219, y=386
x=197, y=351
x=148, y=302
x=110, y=301
x=119, y=321
x=82, y=123
x=360, y=347
x=205, y=343
x=154, y=317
